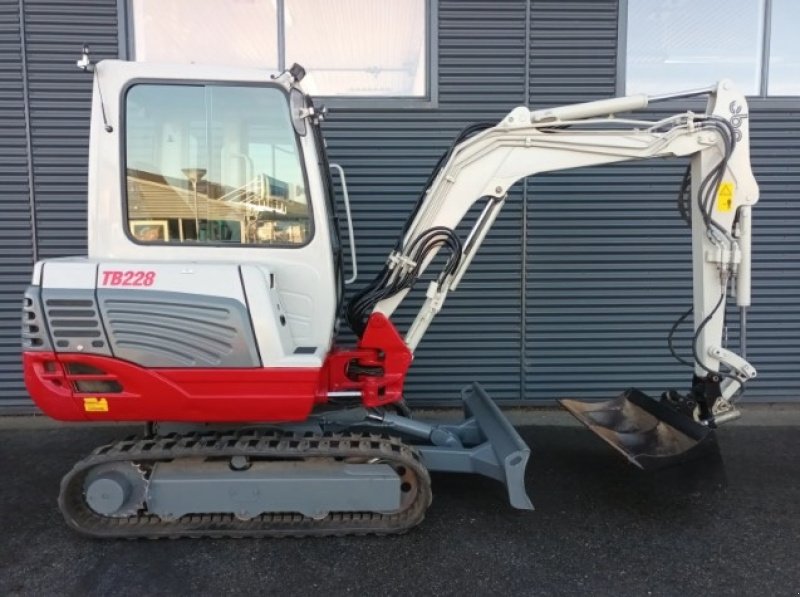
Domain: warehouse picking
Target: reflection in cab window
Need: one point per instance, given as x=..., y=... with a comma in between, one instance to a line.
x=213, y=164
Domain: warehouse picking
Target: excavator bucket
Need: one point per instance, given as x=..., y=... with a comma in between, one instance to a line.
x=649, y=434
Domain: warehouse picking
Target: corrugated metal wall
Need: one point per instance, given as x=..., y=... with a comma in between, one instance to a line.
x=575, y=288
x=16, y=244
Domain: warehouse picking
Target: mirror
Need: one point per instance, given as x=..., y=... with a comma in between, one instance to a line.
x=298, y=110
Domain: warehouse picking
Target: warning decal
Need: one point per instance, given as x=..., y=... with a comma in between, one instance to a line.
x=725, y=196
x=95, y=405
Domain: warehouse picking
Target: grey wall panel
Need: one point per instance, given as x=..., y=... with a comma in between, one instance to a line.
x=774, y=320
x=16, y=244
x=60, y=96
x=573, y=51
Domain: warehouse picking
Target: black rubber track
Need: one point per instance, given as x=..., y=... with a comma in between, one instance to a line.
x=252, y=444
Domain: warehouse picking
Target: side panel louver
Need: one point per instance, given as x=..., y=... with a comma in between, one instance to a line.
x=167, y=329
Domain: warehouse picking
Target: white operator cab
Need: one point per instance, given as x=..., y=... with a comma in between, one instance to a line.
x=202, y=182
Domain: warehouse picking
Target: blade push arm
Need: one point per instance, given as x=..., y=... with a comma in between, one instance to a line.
x=720, y=190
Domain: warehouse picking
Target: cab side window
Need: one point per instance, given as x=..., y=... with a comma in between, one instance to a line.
x=213, y=164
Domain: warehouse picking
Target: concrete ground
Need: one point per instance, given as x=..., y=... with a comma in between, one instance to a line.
x=727, y=527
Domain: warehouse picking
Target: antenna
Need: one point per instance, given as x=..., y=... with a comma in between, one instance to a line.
x=86, y=65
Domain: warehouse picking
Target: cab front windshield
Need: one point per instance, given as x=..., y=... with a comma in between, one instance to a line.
x=213, y=164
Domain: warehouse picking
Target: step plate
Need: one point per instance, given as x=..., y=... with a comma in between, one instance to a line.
x=649, y=434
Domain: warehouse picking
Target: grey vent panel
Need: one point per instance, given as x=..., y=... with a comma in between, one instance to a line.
x=170, y=329
x=305, y=350
x=34, y=327
x=74, y=321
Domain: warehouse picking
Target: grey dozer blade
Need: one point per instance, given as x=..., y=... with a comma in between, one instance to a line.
x=649, y=434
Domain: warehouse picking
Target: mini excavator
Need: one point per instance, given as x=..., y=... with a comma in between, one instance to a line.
x=211, y=296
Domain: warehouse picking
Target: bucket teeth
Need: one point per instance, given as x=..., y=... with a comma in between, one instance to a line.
x=648, y=433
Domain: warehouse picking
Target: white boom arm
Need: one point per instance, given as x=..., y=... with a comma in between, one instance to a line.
x=525, y=143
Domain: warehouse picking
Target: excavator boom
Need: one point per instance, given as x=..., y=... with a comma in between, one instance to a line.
x=209, y=301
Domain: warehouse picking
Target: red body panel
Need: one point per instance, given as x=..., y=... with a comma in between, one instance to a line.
x=168, y=394
x=215, y=395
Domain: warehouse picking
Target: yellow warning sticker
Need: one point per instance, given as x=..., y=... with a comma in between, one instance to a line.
x=95, y=405
x=725, y=196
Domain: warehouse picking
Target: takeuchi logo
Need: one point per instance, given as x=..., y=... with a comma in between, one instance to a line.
x=737, y=119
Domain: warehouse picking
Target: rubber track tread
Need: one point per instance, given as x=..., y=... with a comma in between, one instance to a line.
x=272, y=445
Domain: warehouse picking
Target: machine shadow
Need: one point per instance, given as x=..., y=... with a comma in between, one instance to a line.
x=570, y=470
